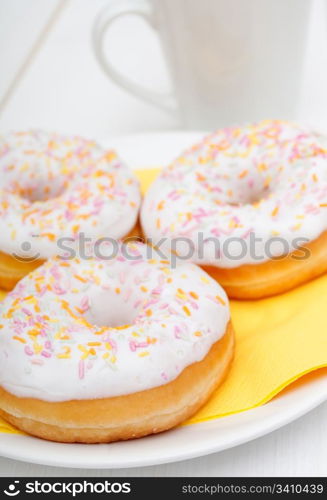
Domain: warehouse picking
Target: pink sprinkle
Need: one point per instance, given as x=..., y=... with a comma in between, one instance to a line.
x=137, y=304
x=58, y=290
x=47, y=345
x=46, y=354
x=37, y=362
x=128, y=294
x=81, y=369
x=122, y=278
x=177, y=332
x=132, y=346
x=55, y=272
x=26, y=311
x=28, y=351
x=85, y=303
x=150, y=303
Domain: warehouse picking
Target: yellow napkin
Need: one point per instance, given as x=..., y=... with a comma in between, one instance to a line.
x=278, y=340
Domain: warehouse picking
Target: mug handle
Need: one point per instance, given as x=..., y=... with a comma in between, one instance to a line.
x=105, y=18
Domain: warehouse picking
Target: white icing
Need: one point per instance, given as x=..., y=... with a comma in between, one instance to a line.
x=174, y=317
x=267, y=180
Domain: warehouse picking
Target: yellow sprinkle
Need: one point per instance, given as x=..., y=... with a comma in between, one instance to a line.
x=65, y=354
x=94, y=344
x=315, y=177
x=144, y=288
x=143, y=354
x=275, y=211
x=198, y=334
x=122, y=327
x=37, y=348
x=205, y=280
x=117, y=290
x=187, y=311
x=34, y=332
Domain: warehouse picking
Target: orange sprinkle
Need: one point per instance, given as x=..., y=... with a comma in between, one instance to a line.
x=275, y=211
x=194, y=295
x=243, y=174
x=200, y=177
x=323, y=205
x=315, y=177
x=160, y=205
x=80, y=278
x=158, y=223
x=20, y=339
x=51, y=236
x=117, y=290
x=93, y=344
x=198, y=334
x=144, y=288
x=221, y=300
x=148, y=312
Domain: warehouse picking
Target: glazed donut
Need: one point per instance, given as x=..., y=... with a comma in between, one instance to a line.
x=53, y=187
x=249, y=204
x=103, y=350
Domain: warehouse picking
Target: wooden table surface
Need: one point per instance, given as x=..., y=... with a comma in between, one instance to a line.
x=50, y=79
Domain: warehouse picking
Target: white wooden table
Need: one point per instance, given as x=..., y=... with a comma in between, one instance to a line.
x=50, y=79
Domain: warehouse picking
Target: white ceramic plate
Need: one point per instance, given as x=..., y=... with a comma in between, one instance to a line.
x=185, y=442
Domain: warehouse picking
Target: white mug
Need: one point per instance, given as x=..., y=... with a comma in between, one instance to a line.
x=231, y=61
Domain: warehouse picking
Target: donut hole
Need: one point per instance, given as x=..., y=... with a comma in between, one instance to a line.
x=117, y=313
x=242, y=185
x=39, y=192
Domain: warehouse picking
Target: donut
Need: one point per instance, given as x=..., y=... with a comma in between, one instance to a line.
x=248, y=204
x=54, y=187
x=102, y=350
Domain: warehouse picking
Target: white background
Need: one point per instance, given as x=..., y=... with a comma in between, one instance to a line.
x=50, y=79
